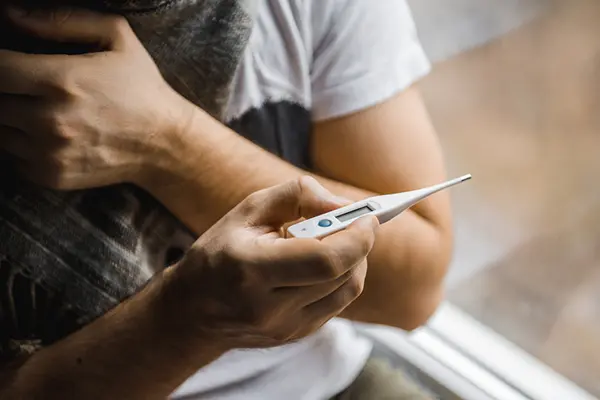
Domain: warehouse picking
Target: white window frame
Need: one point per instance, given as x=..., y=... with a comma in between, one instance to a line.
x=472, y=362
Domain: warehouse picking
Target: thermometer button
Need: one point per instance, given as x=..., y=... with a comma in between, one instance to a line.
x=325, y=223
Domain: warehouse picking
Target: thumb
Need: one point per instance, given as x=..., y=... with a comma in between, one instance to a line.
x=300, y=198
x=70, y=25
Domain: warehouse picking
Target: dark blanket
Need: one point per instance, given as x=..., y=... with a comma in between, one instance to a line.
x=67, y=258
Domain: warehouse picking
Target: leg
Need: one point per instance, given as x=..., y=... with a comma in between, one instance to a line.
x=379, y=380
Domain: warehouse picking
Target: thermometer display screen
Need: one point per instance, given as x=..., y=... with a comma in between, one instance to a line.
x=354, y=213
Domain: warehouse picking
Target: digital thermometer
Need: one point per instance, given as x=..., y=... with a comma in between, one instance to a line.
x=384, y=207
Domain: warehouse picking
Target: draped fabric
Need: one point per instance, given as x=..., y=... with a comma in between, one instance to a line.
x=67, y=258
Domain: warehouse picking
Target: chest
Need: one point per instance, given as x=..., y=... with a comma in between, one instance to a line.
x=270, y=102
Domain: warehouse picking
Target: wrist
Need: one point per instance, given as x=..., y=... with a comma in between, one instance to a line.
x=169, y=142
x=191, y=136
x=175, y=312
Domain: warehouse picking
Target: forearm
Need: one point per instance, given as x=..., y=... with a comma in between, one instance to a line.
x=130, y=353
x=209, y=169
x=216, y=169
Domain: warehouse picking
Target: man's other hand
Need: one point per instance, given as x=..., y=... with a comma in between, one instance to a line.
x=83, y=121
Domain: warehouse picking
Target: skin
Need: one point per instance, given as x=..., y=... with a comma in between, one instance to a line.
x=187, y=317
x=152, y=137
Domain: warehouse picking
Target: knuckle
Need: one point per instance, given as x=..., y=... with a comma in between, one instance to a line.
x=230, y=262
x=364, y=244
x=307, y=188
x=197, y=255
x=294, y=192
x=59, y=126
x=63, y=82
x=236, y=267
x=56, y=164
x=301, y=185
x=253, y=201
x=355, y=287
x=329, y=263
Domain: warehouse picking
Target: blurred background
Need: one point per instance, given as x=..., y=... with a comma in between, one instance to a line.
x=515, y=96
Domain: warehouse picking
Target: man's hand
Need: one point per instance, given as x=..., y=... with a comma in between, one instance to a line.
x=84, y=121
x=244, y=285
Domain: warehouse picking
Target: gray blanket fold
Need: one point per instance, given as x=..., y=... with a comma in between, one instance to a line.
x=67, y=258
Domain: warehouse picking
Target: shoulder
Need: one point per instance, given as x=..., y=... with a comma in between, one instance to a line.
x=364, y=52
x=312, y=21
x=333, y=57
x=315, y=20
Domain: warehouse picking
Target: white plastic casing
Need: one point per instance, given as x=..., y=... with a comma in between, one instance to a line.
x=310, y=228
x=384, y=207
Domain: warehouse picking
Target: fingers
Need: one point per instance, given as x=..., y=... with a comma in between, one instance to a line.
x=70, y=25
x=302, y=262
x=32, y=74
x=303, y=197
x=336, y=301
x=39, y=74
x=355, y=242
x=314, y=293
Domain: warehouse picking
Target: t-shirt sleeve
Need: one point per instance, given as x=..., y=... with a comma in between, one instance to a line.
x=364, y=52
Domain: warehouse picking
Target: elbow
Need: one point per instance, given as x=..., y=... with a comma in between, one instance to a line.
x=405, y=292
x=427, y=292
x=424, y=293
x=407, y=308
x=426, y=297
x=422, y=309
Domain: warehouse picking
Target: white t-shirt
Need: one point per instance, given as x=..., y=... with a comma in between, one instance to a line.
x=307, y=61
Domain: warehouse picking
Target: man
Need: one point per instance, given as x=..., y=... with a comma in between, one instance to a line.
x=324, y=85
